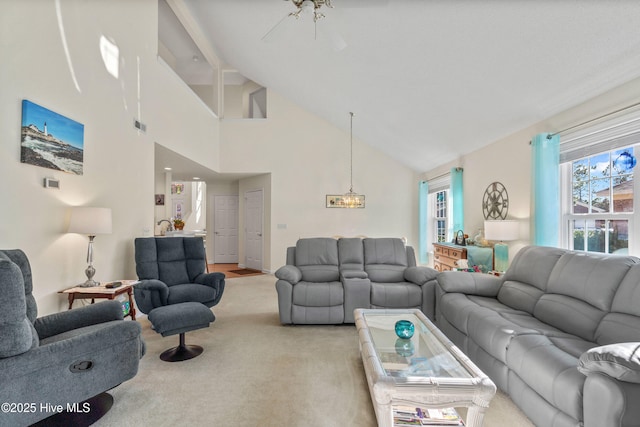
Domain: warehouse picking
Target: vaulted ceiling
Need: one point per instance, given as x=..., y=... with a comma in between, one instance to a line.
x=430, y=80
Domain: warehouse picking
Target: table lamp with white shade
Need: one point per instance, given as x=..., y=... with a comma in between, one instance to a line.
x=501, y=231
x=90, y=221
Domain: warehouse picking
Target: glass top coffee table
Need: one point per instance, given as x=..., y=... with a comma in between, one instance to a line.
x=426, y=370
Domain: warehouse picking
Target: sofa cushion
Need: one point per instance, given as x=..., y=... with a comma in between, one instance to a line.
x=581, y=290
x=315, y=251
x=533, y=265
x=549, y=366
x=317, y=259
x=589, y=277
x=526, y=279
x=519, y=295
x=310, y=294
x=493, y=333
x=569, y=314
x=620, y=361
x=351, y=254
x=396, y=295
x=618, y=327
x=191, y=292
x=623, y=323
x=385, y=259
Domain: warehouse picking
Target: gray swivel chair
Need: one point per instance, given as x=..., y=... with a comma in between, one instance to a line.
x=172, y=270
x=62, y=359
x=175, y=290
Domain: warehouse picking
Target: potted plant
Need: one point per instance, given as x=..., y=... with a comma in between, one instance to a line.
x=178, y=224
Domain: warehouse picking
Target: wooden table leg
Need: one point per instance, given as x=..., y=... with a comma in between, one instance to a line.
x=132, y=309
x=71, y=298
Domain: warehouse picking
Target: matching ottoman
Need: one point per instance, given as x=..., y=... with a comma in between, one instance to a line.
x=178, y=319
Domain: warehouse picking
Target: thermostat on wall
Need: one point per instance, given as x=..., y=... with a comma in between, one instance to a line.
x=51, y=183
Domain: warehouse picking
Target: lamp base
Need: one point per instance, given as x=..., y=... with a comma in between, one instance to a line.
x=501, y=256
x=90, y=272
x=89, y=284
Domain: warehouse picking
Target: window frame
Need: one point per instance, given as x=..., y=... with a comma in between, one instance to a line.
x=568, y=217
x=437, y=205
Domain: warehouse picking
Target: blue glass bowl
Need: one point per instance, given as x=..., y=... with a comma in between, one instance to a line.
x=405, y=347
x=404, y=329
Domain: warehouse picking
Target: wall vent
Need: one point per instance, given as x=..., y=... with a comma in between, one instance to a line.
x=139, y=125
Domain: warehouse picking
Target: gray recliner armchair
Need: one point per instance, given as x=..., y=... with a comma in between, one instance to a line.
x=172, y=270
x=61, y=359
x=309, y=287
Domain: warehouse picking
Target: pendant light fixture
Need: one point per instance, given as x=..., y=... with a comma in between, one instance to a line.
x=351, y=199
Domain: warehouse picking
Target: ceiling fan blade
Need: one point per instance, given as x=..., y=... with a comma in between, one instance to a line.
x=357, y=4
x=278, y=31
x=327, y=31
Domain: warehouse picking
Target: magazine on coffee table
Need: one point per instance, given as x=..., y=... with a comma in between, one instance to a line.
x=411, y=416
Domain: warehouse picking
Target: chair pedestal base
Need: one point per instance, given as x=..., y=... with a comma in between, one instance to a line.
x=182, y=352
x=86, y=413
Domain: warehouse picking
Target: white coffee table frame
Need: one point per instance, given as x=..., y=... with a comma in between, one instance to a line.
x=474, y=391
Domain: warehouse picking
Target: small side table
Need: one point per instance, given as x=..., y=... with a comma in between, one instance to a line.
x=95, y=292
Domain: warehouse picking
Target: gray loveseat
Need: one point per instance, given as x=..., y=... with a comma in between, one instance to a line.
x=325, y=279
x=559, y=333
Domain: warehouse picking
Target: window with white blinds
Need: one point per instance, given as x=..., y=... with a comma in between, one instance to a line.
x=600, y=194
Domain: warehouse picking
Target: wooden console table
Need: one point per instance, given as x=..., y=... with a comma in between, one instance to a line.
x=445, y=256
x=97, y=292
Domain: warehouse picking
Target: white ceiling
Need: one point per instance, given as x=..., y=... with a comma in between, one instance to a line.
x=430, y=80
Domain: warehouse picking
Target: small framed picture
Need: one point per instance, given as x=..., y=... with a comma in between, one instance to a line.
x=159, y=199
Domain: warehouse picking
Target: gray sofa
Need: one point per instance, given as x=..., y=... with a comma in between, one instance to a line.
x=559, y=333
x=325, y=279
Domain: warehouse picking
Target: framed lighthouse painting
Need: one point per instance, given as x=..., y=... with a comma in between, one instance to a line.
x=51, y=140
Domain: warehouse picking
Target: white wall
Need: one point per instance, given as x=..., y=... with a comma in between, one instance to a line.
x=509, y=161
x=118, y=162
x=308, y=159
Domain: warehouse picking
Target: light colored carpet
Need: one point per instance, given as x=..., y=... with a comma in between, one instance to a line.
x=256, y=372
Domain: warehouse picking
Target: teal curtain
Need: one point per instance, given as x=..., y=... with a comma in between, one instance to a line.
x=457, y=196
x=545, y=192
x=423, y=226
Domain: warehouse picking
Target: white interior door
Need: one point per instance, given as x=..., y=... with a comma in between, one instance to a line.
x=253, y=229
x=225, y=229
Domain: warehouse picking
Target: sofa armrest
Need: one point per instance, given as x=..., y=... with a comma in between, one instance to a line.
x=353, y=274
x=419, y=275
x=289, y=273
x=620, y=361
x=469, y=283
x=211, y=279
x=150, y=294
x=214, y=280
x=57, y=323
x=357, y=293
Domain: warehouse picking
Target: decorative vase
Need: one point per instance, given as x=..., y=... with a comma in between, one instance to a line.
x=404, y=329
x=479, y=238
x=178, y=226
